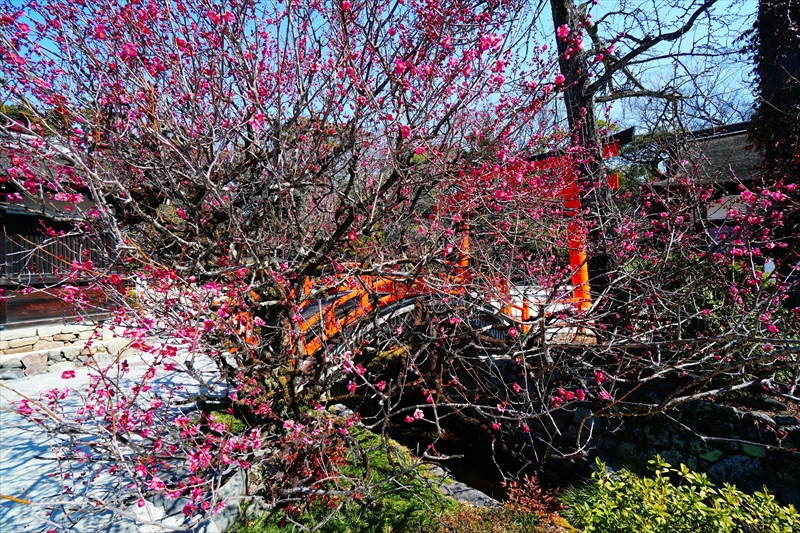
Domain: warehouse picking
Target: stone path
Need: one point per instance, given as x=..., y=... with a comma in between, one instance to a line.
x=26, y=464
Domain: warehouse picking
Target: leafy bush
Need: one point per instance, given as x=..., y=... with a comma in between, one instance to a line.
x=622, y=502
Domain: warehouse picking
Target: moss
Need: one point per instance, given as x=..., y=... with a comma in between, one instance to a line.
x=754, y=451
x=232, y=424
x=409, y=502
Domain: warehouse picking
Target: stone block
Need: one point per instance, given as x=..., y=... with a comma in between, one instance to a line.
x=757, y=417
x=20, y=350
x=49, y=330
x=607, y=444
x=657, y=436
x=9, y=361
x=33, y=363
x=786, y=420
x=18, y=333
x=760, y=434
x=83, y=335
x=627, y=452
x=58, y=368
x=787, y=478
x=23, y=341
x=64, y=337
x=117, y=346
x=45, y=344
x=673, y=457
x=765, y=403
x=698, y=412
x=3, y=345
x=55, y=356
x=71, y=352
x=11, y=373
x=747, y=473
x=109, y=334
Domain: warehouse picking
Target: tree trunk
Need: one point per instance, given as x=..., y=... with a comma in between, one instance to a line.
x=579, y=103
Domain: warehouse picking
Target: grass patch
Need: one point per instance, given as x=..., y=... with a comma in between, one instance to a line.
x=406, y=501
x=410, y=502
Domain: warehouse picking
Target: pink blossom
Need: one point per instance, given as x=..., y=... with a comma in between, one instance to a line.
x=559, y=79
x=23, y=408
x=512, y=332
x=599, y=377
x=409, y=420
x=563, y=31
x=351, y=386
x=156, y=484
x=399, y=67
x=556, y=401
x=381, y=385
x=490, y=41
x=517, y=388
x=772, y=328
x=68, y=374
x=346, y=6
x=128, y=52
x=429, y=399
x=257, y=120
x=405, y=131
x=418, y=414
x=419, y=150
x=604, y=395
x=213, y=16
x=580, y=394
x=569, y=396
x=525, y=428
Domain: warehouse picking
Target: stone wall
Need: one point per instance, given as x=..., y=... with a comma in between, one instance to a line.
x=28, y=351
x=752, y=446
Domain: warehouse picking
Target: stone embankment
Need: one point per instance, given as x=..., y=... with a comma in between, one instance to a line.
x=28, y=351
x=751, y=446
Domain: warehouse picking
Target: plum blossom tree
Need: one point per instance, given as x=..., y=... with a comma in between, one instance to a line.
x=333, y=201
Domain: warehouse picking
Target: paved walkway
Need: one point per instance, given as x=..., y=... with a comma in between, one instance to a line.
x=27, y=467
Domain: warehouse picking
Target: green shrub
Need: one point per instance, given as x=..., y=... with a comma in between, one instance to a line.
x=621, y=502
